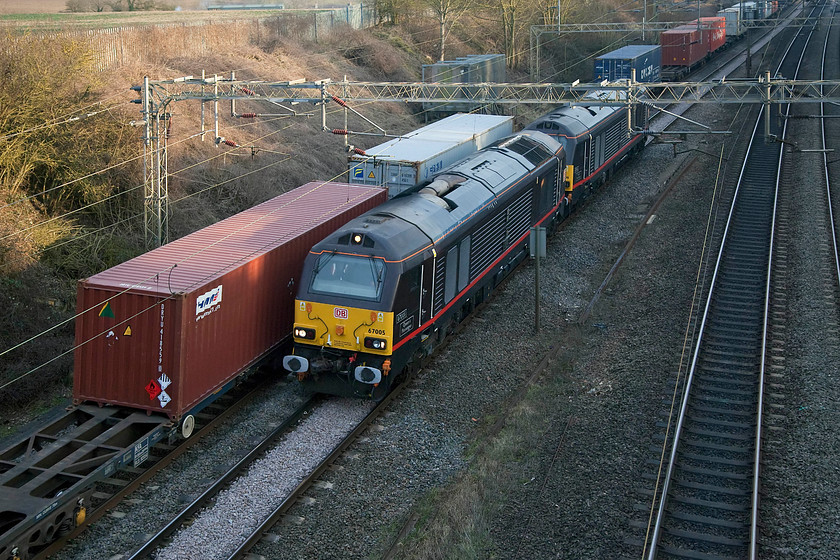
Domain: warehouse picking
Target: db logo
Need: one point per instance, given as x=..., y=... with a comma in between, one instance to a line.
x=340, y=313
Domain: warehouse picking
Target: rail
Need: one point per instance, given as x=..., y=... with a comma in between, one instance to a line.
x=709, y=498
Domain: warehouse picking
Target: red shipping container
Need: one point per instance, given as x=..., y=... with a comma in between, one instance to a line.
x=713, y=31
x=168, y=329
x=682, y=46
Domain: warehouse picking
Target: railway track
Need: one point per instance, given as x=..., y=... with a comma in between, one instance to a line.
x=190, y=525
x=188, y=513
x=709, y=497
x=108, y=490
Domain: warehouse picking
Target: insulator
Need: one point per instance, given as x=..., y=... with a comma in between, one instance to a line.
x=359, y=151
x=231, y=143
x=340, y=131
x=248, y=115
x=248, y=91
x=339, y=101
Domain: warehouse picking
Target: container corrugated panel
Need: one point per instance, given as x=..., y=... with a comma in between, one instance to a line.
x=747, y=9
x=485, y=67
x=713, y=31
x=733, y=22
x=405, y=162
x=682, y=46
x=168, y=329
x=618, y=64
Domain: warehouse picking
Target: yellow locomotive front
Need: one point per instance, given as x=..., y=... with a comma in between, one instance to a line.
x=366, y=334
x=343, y=329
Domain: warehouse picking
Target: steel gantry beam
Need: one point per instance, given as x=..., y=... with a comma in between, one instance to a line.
x=157, y=96
x=653, y=26
x=322, y=92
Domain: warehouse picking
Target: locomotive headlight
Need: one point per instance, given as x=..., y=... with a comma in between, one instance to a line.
x=301, y=332
x=375, y=343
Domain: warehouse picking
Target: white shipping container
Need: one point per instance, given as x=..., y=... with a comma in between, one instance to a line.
x=733, y=22
x=413, y=159
x=749, y=11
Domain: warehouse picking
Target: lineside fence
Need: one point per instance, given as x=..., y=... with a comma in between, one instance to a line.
x=155, y=43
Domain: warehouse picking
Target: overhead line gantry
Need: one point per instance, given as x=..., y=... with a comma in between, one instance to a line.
x=157, y=97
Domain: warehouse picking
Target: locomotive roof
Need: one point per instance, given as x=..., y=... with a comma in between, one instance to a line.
x=406, y=224
x=573, y=121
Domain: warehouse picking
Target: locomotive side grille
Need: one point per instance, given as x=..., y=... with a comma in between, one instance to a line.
x=592, y=155
x=439, y=283
x=488, y=242
x=613, y=140
x=519, y=217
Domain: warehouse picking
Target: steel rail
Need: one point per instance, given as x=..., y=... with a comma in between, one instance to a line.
x=153, y=469
x=292, y=498
x=832, y=222
x=658, y=528
x=213, y=490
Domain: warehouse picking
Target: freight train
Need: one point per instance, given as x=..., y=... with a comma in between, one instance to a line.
x=682, y=48
x=383, y=291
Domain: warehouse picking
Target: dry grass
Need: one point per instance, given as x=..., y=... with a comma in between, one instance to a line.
x=58, y=6
x=32, y=7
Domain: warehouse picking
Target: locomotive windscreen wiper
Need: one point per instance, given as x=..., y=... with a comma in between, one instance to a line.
x=376, y=273
x=322, y=262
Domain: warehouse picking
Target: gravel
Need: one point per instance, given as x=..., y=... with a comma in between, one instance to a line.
x=251, y=498
x=802, y=481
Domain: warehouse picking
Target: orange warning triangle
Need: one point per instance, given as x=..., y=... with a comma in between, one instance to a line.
x=127, y=331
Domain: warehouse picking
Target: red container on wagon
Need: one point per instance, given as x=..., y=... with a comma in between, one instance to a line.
x=682, y=46
x=170, y=328
x=713, y=31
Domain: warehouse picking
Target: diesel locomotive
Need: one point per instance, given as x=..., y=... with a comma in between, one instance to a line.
x=381, y=292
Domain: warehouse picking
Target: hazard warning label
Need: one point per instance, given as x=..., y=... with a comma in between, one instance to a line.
x=153, y=388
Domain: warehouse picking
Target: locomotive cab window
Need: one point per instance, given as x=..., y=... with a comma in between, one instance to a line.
x=348, y=275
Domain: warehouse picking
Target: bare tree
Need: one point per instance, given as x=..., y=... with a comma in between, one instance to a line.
x=132, y=5
x=557, y=11
x=88, y=5
x=447, y=13
x=391, y=10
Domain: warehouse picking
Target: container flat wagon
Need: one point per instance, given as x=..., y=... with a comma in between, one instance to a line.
x=734, y=25
x=712, y=32
x=682, y=50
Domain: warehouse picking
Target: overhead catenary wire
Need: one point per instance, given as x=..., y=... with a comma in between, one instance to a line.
x=73, y=118
x=130, y=190
x=78, y=314
x=183, y=260
x=101, y=201
x=68, y=118
x=51, y=329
